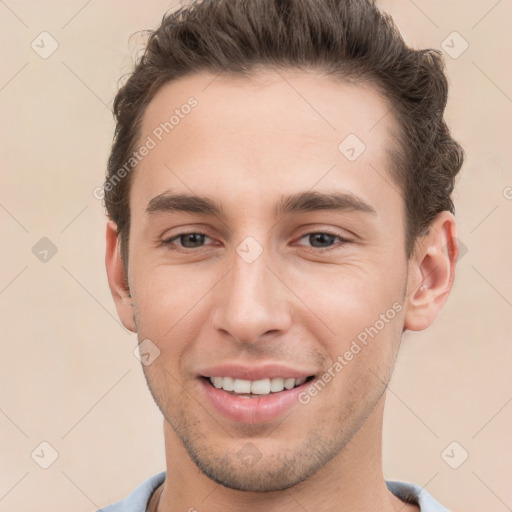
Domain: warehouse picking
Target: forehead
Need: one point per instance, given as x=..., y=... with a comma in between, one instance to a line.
x=277, y=131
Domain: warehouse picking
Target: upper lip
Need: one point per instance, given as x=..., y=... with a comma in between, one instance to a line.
x=254, y=372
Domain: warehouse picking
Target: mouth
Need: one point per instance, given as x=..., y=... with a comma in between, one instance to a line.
x=263, y=398
x=256, y=388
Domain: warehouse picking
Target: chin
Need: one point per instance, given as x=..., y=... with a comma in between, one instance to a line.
x=253, y=479
x=259, y=466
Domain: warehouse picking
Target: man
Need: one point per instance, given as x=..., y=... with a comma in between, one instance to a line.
x=279, y=201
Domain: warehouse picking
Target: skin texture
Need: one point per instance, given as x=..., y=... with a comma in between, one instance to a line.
x=247, y=143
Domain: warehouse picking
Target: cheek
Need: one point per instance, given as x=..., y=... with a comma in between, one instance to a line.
x=168, y=304
x=351, y=297
x=364, y=314
x=166, y=293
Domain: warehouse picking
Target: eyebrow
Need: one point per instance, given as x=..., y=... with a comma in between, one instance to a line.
x=301, y=202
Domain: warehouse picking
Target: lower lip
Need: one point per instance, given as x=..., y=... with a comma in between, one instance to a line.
x=248, y=409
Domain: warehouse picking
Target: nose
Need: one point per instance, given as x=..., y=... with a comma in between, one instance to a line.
x=251, y=302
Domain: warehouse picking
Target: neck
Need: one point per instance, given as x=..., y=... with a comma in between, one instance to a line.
x=351, y=481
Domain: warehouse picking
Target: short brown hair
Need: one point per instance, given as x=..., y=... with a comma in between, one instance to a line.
x=348, y=40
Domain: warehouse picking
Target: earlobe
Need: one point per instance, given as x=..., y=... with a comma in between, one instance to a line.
x=431, y=273
x=117, y=278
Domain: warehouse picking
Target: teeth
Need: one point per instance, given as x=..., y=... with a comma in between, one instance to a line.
x=289, y=383
x=276, y=384
x=260, y=387
x=241, y=386
x=256, y=387
x=227, y=383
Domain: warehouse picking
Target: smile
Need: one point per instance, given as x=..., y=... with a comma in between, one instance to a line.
x=248, y=388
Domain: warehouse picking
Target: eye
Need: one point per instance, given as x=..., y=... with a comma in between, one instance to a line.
x=321, y=238
x=187, y=240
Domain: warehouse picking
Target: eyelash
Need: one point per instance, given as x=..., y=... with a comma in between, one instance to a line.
x=170, y=241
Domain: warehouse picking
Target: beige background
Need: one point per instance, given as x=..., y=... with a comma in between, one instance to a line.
x=68, y=373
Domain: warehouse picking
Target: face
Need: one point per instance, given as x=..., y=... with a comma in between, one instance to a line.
x=289, y=272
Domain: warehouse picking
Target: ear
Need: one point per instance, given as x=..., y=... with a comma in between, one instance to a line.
x=431, y=273
x=117, y=279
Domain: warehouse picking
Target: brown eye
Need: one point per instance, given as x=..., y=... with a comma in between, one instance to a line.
x=324, y=240
x=186, y=240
